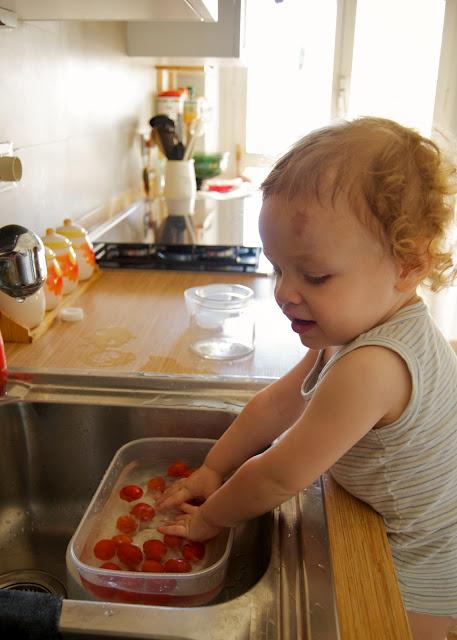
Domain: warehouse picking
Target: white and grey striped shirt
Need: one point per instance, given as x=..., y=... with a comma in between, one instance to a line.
x=407, y=470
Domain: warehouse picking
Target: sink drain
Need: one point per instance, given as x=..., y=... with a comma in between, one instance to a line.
x=32, y=580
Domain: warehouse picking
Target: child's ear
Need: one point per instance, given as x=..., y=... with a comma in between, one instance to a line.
x=414, y=269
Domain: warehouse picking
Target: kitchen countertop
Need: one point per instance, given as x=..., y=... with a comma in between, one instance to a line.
x=137, y=321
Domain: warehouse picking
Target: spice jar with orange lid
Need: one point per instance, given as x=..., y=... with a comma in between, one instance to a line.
x=82, y=245
x=66, y=257
x=53, y=285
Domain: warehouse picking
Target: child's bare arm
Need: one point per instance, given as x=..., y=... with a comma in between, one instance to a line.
x=362, y=389
x=266, y=416
x=271, y=412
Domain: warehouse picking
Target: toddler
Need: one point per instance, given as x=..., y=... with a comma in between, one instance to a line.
x=354, y=218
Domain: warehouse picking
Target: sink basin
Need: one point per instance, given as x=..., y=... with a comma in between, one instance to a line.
x=58, y=434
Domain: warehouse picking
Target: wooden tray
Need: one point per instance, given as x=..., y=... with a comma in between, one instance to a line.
x=14, y=332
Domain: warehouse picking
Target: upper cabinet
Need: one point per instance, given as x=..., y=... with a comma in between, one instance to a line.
x=221, y=39
x=125, y=10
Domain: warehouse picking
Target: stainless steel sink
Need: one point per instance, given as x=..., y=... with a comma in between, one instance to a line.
x=58, y=433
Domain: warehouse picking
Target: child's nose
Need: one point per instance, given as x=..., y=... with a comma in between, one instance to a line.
x=286, y=291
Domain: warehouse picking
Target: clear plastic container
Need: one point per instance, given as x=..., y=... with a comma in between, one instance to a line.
x=135, y=463
x=221, y=321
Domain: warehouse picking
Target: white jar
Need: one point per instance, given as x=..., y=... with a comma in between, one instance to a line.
x=180, y=187
x=53, y=286
x=221, y=321
x=66, y=257
x=82, y=245
x=28, y=312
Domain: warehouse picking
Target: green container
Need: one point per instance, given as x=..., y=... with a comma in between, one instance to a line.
x=209, y=165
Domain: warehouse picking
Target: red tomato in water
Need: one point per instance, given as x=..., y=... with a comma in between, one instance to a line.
x=104, y=549
x=110, y=565
x=193, y=551
x=156, y=483
x=127, y=524
x=152, y=566
x=176, y=566
x=187, y=473
x=131, y=492
x=154, y=549
x=129, y=554
x=121, y=537
x=177, y=469
x=143, y=511
x=172, y=541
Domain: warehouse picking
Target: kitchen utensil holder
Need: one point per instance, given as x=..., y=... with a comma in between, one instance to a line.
x=180, y=187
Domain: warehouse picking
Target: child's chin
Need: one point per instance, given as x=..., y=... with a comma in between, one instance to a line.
x=312, y=342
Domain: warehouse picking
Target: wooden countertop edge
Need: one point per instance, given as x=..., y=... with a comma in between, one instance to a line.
x=368, y=597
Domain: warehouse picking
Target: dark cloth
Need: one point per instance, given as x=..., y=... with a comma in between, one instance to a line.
x=27, y=615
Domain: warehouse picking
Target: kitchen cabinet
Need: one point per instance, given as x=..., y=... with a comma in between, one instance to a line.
x=221, y=39
x=156, y=10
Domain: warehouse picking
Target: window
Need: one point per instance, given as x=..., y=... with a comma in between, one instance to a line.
x=289, y=55
x=309, y=62
x=395, y=60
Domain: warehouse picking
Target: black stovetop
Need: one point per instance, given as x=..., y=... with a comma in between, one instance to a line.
x=222, y=235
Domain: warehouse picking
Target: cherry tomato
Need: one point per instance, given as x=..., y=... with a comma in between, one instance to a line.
x=187, y=473
x=127, y=524
x=131, y=492
x=154, y=549
x=104, y=549
x=157, y=483
x=121, y=537
x=172, y=541
x=152, y=566
x=110, y=565
x=176, y=566
x=129, y=554
x=177, y=469
x=143, y=511
x=193, y=551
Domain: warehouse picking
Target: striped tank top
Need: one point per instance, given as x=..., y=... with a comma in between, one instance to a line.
x=407, y=470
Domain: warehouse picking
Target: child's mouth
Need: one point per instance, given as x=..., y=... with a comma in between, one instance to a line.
x=302, y=326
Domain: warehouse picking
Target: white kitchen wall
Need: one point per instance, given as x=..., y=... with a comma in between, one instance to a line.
x=71, y=101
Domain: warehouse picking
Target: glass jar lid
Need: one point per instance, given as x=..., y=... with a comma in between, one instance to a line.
x=219, y=296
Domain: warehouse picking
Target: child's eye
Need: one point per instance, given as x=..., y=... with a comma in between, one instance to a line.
x=316, y=279
x=276, y=270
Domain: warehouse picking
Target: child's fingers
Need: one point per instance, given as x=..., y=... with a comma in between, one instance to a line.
x=176, y=497
x=174, y=530
x=188, y=508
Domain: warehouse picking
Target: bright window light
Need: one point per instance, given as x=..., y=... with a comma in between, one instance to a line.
x=395, y=62
x=289, y=54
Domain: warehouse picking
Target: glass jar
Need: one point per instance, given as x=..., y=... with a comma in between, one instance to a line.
x=221, y=321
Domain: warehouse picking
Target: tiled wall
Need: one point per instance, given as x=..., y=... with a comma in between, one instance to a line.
x=71, y=102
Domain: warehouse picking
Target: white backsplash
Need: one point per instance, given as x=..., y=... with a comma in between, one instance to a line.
x=71, y=101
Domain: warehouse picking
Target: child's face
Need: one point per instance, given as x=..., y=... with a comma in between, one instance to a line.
x=334, y=278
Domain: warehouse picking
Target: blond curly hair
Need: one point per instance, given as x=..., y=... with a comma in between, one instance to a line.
x=404, y=178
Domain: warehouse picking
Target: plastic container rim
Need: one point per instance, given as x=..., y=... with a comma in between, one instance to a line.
x=106, y=573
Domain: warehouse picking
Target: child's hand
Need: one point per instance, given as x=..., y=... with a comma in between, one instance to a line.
x=201, y=484
x=190, y=525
